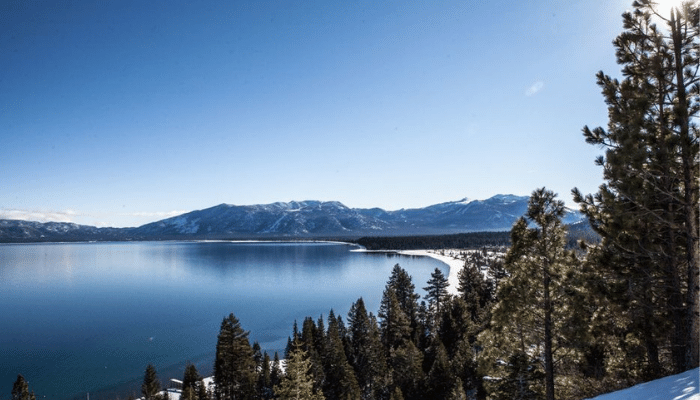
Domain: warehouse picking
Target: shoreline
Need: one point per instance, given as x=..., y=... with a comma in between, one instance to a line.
x=454, y=265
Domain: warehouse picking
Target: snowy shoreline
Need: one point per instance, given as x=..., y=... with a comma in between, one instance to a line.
x=453, y=264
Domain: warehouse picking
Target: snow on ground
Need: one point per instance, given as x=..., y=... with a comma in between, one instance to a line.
x=174, y=394
x=683, y=386
x=454, y=264
x=675, y=387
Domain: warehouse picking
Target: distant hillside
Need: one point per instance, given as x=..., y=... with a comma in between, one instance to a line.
x=29, y=231
x=302, y=220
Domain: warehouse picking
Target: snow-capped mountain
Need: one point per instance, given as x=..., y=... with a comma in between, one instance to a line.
x=296, y=219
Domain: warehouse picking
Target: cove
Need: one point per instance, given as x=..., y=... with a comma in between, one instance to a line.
x=84, y=318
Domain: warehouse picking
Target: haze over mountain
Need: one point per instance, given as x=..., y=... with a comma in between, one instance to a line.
x=295, y=219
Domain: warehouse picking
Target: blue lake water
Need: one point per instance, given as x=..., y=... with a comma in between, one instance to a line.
x=89, y=317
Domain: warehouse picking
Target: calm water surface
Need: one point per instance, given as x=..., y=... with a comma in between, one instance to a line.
x=89, y=317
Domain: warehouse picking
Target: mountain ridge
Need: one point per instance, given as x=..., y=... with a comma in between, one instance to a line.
x=306, y=219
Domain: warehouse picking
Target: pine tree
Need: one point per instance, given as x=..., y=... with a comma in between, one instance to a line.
x=498, y=274
x=151, y=385
x=395, y=324
x=366, y=354
x=437, y=290
x=341, y=383
x=475, y=292
x=297, y=382
x=521, y=380
x=275, y=371
x=264, y=386
x=20, y=390
x=190, y=383
x=401, y=284
x=533, y=302
x=311, y=340
x=458, y=333
x=647, y=212
x=406, y=368
x=440, y=376
x=234, y=367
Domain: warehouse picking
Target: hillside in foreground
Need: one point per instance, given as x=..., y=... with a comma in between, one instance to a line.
x=683, y=386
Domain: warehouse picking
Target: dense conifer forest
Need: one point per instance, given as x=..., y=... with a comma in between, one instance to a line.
x=472, y=240
x=545, y=320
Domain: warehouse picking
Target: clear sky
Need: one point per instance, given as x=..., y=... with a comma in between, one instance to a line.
x=119, y=113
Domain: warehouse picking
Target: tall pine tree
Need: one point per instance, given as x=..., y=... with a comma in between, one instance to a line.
x=151, y=385
x=234, y=367
x=436, y=295
x=366, y=354
x=533, y=304
x=647, y=211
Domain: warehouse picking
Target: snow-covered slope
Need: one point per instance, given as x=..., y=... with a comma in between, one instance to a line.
x=676, y=387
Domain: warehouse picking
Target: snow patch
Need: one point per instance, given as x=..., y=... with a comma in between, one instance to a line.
x=683, y=386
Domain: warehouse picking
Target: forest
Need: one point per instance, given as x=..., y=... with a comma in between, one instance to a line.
x=545, y=320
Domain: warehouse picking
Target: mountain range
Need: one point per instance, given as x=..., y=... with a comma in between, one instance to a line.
x=295, y=220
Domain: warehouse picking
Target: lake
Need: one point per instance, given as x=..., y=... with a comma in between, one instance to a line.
x=84, y=318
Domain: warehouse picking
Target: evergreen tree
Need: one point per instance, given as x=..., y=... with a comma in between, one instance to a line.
x=275, y=371
x=406, y=368
x=647, y=212
x=498, y=274
x=458, y=334
x=475, y=291
x=395, y=324
x=234, y=367
x=20, y=390
x=436, y=290
x=264, y=387
x=366, y=355
x=341, y=383
x=521, y=380
x=257, y=355
x=297, y=382
x=311, y=340
x=151, y=385
x=190, y=383
x=202, y=392
x=533, y=303
x=440, y=376
x=401, y=284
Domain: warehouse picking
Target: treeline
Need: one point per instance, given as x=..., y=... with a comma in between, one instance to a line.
x=471, y=240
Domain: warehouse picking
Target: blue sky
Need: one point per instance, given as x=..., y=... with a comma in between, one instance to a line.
x=121, y=113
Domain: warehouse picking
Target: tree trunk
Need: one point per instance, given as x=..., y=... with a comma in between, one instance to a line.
x=548, y=358
x=690, y=206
